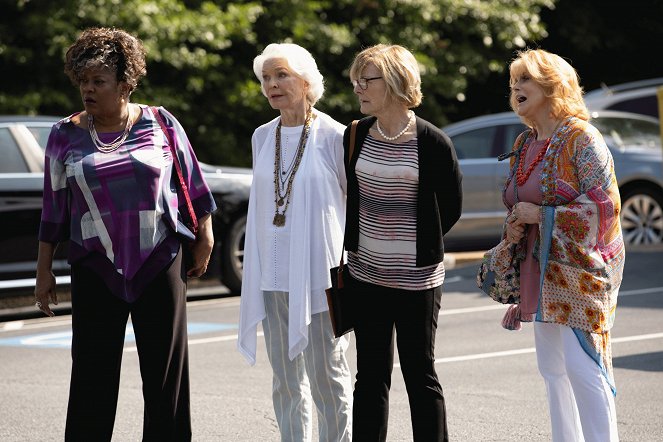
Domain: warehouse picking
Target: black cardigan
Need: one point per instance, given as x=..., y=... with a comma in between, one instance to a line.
x=440, y=195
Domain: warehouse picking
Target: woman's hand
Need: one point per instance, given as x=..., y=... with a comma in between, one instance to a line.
x=525, y=213
x=202, y=247
x=45, y=281
x=514, y=231
x=521, y=215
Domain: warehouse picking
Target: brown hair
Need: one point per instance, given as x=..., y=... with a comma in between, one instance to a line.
x=557, y=78
x=107, y=47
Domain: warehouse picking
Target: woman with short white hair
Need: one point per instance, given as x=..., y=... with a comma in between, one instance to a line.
x=294, y=235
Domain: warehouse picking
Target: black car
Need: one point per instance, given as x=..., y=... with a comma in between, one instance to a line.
x=22, y=143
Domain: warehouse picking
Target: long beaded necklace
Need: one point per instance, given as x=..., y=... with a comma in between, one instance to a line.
x=523, y=176
x=282, y=199
x=117, y=142
x=285, y=172
x=409, y=123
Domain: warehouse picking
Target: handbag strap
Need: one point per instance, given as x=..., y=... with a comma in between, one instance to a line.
x=178, y=168
x=351, y=151
x=353, y=137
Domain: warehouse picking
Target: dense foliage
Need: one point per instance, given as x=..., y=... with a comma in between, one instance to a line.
x=200, y=54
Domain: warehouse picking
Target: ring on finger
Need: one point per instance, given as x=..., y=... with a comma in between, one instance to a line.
x=38, y=304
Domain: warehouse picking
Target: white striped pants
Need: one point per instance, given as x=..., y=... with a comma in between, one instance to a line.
x=319, y=375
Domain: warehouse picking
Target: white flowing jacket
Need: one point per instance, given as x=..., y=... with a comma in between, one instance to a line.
x=317, y=214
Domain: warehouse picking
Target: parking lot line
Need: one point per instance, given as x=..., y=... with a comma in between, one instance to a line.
x=520, y=351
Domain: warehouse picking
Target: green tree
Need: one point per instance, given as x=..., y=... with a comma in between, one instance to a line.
x=200, y=54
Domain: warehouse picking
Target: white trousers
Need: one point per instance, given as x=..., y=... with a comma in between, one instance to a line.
x=581, y=403
x=319, y=375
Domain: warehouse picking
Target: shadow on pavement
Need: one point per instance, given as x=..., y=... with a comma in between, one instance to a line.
x=643, y=361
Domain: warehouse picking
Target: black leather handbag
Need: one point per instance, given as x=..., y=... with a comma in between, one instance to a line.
x=339, y=296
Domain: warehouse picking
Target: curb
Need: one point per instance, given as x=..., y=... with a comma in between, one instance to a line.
x=456, y=259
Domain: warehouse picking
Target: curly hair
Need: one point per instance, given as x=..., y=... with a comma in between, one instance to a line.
x=111, y=48
x=557, y=78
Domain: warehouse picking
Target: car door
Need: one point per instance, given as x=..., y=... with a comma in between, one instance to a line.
x=475, y=149
x=507, y=136
x=21, y=182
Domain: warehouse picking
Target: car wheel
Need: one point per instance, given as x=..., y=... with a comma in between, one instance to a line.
x=232, y=255
x=642, y=216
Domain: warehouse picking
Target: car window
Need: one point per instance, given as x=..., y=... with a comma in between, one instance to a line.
x=12, y=159
x=510, y=132
x=476, y=143
x=629, y=131
x=41, y=134
x=646, y=105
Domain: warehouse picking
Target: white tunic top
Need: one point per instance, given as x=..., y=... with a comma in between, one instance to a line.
x=316, y=218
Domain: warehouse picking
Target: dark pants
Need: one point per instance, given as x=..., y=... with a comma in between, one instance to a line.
x=413, y=314
x=99, y=320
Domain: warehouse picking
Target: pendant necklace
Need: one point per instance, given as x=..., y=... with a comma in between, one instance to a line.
x=285, y=171
x=282, y=192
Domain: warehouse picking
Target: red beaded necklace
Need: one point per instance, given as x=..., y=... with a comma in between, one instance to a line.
x=521, y=176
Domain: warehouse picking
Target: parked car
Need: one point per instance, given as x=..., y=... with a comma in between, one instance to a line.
x=634, y=141
x=22, y=143
x=637, y=97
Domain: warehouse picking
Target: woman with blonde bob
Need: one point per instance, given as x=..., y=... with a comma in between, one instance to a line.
x=404, y=194
x=294, y=235
x=564, y=208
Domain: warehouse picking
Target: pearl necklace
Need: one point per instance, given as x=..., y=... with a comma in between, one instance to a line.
x=409, y=123
x=116, y=143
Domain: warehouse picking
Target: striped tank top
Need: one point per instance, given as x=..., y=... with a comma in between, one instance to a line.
x=388, y=177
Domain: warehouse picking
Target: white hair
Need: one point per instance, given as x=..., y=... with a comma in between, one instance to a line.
x=300, y=61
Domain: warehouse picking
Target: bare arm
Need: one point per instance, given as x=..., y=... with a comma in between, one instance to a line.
x=201, y=249
x=45, y=284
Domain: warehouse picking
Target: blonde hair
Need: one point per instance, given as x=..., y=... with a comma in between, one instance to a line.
x=399, y=69
x=557, y=78
x=300, y=61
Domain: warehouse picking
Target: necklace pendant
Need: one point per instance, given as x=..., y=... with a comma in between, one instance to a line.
x=279, y=219
x=280, y=202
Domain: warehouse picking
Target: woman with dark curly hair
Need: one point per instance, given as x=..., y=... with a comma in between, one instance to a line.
x=111, y=188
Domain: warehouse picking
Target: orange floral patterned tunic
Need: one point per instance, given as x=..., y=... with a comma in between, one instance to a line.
x=580, y=246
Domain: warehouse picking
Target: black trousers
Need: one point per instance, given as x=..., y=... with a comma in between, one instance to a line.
x=413, y=316
x=99, y=320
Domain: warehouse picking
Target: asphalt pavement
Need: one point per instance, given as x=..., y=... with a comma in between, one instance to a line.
x=489, y=375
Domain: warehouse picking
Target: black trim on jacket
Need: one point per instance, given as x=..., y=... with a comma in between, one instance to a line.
x=440, y=194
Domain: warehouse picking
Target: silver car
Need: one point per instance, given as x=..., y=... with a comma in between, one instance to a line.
x=635, y=143
x=639, y=97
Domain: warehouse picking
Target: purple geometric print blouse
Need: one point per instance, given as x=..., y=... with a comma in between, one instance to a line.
x=119, y=210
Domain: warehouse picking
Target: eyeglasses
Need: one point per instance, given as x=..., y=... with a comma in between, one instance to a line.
x=363, y=82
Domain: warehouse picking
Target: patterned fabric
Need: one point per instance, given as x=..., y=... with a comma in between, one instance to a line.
x=581, y=244
x=388, y=178
x=499, y=274
x=119, y=209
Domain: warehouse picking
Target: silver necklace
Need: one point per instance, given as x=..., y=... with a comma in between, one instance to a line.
x=116, y=143
x=286, y=171
x=409, y=123
x=280, y=199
